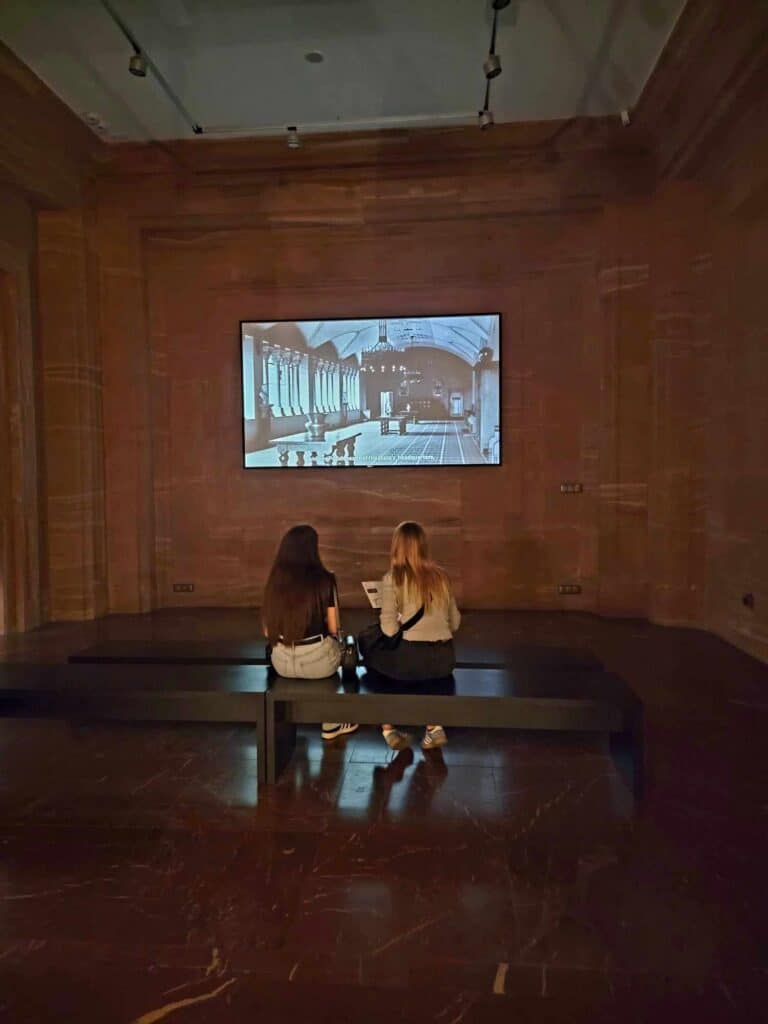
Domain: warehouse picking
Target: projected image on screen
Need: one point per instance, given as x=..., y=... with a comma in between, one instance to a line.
x=416, y=391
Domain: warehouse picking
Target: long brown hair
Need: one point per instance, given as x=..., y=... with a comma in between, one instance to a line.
x=298, y=587
x=413, y=572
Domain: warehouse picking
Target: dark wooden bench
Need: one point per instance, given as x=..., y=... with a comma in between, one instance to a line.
x=129, y=693
x=574, y=701
x=526, y=697
x=175, y=652
x=522, y=657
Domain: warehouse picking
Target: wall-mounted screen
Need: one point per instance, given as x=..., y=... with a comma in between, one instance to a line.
x=400, y=391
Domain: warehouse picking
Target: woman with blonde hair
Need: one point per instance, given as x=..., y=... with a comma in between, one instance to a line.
x=414, y=640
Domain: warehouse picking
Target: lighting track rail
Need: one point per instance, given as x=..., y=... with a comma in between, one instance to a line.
x=140, y=58
x=491, y=66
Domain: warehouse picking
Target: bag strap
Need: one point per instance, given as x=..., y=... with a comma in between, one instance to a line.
x=416, y=617
x=335, y=589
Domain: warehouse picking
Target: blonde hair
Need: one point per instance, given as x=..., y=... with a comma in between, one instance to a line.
x=413, y=572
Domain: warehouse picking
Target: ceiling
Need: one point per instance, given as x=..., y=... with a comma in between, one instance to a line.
x=464, y=336
x=239, y=67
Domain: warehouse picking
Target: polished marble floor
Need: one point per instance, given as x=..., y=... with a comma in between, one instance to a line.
x=143, y=876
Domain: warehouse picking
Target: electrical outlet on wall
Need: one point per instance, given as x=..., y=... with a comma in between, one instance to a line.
x=183, y=588
x=569, y=588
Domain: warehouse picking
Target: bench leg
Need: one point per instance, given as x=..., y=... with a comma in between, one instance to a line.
x=270, y=751
x=628, y=751
x=261, y=750
x=281, y=740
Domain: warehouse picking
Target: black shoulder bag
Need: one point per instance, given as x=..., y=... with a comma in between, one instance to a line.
x=376, y=637
x=348, y=644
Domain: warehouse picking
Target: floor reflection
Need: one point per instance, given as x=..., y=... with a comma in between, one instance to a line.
x=395, y=796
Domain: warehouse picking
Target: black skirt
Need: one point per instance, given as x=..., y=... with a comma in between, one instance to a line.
x=412, y=660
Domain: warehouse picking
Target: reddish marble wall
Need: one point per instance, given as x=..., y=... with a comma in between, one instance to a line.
x=608, y=378
x=630, y=331
x=72, y=400
x=686, y=394
x=633, y=352
x=624, y=372
x=736, y=506
x=45, y=156
x=21, y=577
x=634, y=349
x=507, y=535
x=45, y=149
x=179, y=266
x=681, y=285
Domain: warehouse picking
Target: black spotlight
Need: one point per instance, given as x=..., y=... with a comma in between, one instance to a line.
x=293, y=141
x=492, y=65
x=137, y=65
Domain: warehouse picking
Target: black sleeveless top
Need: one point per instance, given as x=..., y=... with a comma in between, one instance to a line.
x=318, y=624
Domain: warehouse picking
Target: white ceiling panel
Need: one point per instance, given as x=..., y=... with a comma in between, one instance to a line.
x=239, y=66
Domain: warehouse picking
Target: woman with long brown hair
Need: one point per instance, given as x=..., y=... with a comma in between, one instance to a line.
x=300, y=615
x=416, y=594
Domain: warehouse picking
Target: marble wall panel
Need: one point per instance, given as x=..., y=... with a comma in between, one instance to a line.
x=624, y=446
x=629, y=336
x=561, y=416
x=72, y=395
x=680, y=345
x=737, y=436
x=217, y=524
x=128, y=449
x=23, y=589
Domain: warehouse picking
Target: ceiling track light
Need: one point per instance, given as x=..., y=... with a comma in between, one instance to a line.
x=140, y=63
x=137, y=65
x=485, y=115
x=293, y=141
x=492, y=63
x=491, y=66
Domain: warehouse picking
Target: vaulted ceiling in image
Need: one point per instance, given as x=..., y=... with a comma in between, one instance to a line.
x=464, y=336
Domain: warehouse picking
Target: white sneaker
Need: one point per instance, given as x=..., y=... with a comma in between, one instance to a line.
x=434, y=738
x=396, y=740
x=333, y=729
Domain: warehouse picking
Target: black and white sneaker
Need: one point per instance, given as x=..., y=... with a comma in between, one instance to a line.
x=395, y=739
x=434, y=738
x=333, y=729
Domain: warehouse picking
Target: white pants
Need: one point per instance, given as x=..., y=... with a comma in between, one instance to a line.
x=308, y=661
